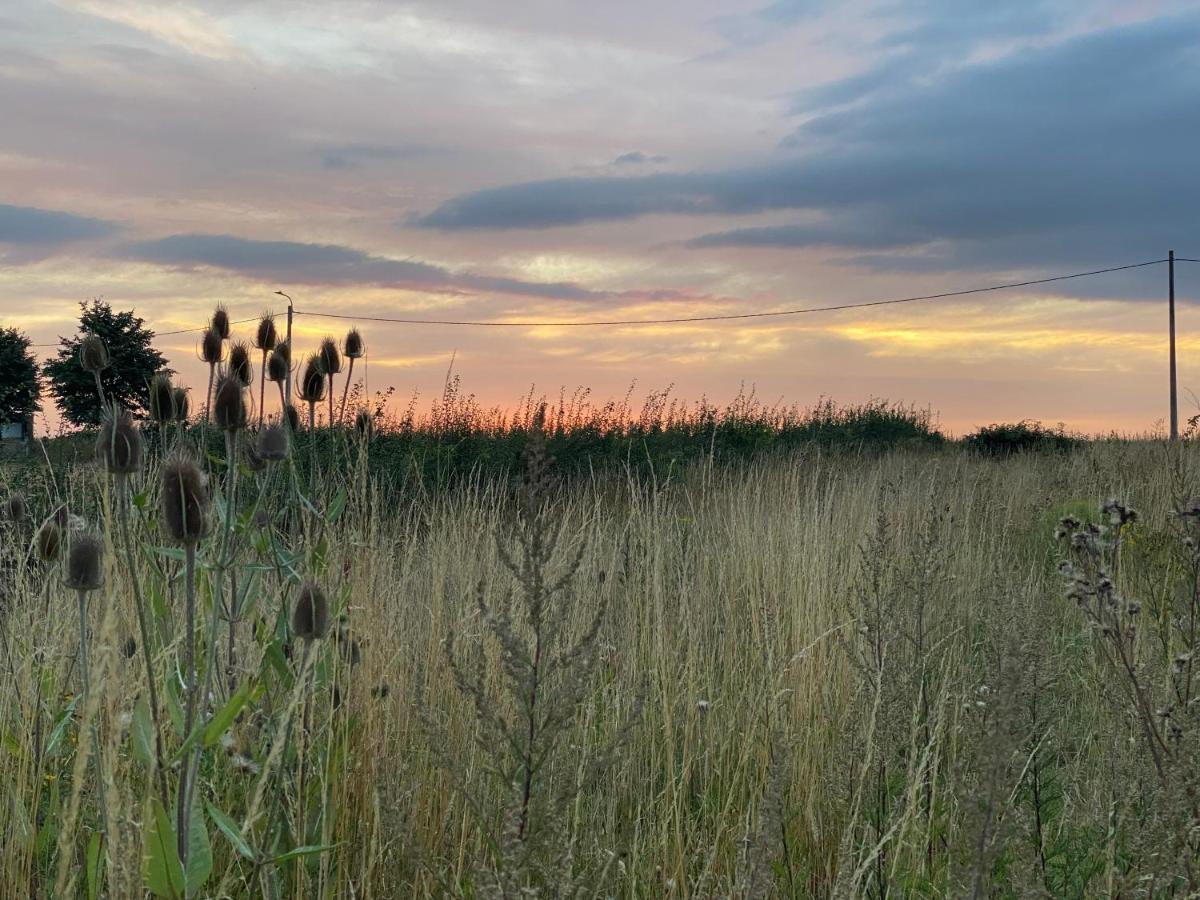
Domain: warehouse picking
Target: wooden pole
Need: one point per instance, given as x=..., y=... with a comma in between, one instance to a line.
x=291, y=355
x=1171, y=325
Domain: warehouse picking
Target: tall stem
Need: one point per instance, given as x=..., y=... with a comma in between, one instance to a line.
x=85, y=696
x=345, y=392
x=99, y=390
x=331, y=376
x=212, y=371
x=181, y=817
x=262, y=390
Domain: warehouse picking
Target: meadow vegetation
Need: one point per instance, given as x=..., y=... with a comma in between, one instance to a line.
x=623, y=659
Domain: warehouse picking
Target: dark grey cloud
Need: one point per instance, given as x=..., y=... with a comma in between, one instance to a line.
x=637, y=158
x=353, y=156
x=330, y=264
x=1079, y=151
x=30, y=226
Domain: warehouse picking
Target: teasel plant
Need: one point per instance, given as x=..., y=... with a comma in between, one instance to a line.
x=239, y=363
x=220, y=322
x=212, y=352
x=93, y=357
x=266, y=337
x=331, y=365
x=352, y=348
x=278, y=366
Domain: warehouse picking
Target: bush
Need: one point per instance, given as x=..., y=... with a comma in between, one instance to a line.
x=1020, y=437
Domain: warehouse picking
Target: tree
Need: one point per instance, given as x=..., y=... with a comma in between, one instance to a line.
x=20, y=389
x=132, y=362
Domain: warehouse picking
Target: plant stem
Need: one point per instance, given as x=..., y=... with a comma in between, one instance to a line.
x=345, y=392
x=85, y=696
x=181, y=818
x=262, y=390
x=212, y=371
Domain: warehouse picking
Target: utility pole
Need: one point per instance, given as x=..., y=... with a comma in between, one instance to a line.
x=292, y=352
x=1171, y=325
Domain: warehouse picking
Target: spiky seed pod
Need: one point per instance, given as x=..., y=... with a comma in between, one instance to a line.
x=180, y=398
x=62, y=515
x=353, y=347
x=212, y=347
x=293, y=417
x=273, y=443
x=229, y=404
x=220, y=321
x=48, y=541
x=312, y=383
x=162, y=399
x=364, y=424
x=85, y=563
x=185, y=501
x=14, y=508
x=331, y=360
x=239, y=363
x=277, y=367
x=310, y=616
x=93, y=355
x=254, y=461
x=119, y=445
x=266, y=336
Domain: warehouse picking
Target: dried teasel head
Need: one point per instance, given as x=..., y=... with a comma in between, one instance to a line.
x=212, y=347
x=292, y=416
x=84, y=570
x=119, y=445
x=331, y=359
x=14, y=509
x=48, y=540
x=162, y=399
x=364, y=424
x=273, y=443
x=266, y=335
x=310, y=616
x=229, y=404
x=278, y=364
x=185, y=501
x=353, y=347
x=93, y=355
x=312, y=382
x=220, y=321
x=254, y=462
x=239, y=363
x=180, y=398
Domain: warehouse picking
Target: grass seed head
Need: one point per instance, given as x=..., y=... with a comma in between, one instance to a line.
x=220, y=321
x=85, y=562
x=310, y=616
x=212, y=347
x=229, y=404
x=185, y=501
x=266, y=336
x=119, y=445
x=162, y=398
x=353, y=347
x=331, y=359
x=93, y=355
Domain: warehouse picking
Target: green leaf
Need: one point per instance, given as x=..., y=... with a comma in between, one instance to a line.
x=200, y=861
x=231, y=831
x=141, y=499
x=95, y=864
x=175, y=553
x=220, y=723
x=161, y=868
x=60, y=727
x=307, y=850
x=174, y=707
x=142, y=733
x=336, y=507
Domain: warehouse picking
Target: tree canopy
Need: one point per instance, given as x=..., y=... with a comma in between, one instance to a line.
x=20, y=389
x=132, y=362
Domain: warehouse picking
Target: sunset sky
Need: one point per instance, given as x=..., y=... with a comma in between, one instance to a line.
x=581, y=161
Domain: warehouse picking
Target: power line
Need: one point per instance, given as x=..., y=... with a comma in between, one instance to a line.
x=727, y=317
x=159, y=334
x=1186, y=259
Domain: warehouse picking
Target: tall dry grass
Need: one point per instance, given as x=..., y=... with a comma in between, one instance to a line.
x=827, y=676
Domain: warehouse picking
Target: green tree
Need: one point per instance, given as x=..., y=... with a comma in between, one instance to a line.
x=132, y=362
x=20, y=388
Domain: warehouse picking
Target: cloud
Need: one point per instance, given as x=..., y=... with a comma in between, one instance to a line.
x=766, y=22
x=637, y=158
x=353, y=156
x=330, y=264
x=29, y=226
x=1076, y=152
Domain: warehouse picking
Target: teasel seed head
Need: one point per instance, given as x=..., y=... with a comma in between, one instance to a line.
x=364, y=424
x=212, y=347
x=254, y=461
x=85, y=562
x=185, y=501
x=14, y=509
x=273, y=443
x=229, y=404
x=353, y=347
x=312, y=383
x=331, y=360
x=93, y=355
x=48, y=540
x=220, y=321
x=292, y=415
x=179, y=397
x=310, y=616
x=266, y=336
x=278, y=364
x=239, y=363
x=162, y=399
x=119, y=445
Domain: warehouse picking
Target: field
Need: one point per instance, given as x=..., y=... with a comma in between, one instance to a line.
x=810, y=671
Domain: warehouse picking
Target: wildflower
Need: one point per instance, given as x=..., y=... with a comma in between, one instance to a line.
x=119, y=445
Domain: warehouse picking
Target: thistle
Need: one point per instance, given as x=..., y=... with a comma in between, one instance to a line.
x=93, y=357
x=312, y=386
x=353, y=348
x=162, y=399
x=84, y=570
x=119, y=445
x=179, y=397
x=239, y=363
x=331, y=364
x=220, y=321
x=265, y=339
x=212, y=351
x=273, y=443
x=229, y=404
x=310, y=616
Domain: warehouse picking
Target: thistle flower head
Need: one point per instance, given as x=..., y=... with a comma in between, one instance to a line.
x=220, y=321
x=93, y=355
x=273, y=443
x=331, y=359
x=180, y=398
x=85, y=562
x=212, y=347
x=310, y=616
x=266, y=336
x=14, y=508
x=229, y=404
x=162, y=398
x=353, y=347
x=312, y=383
x=119, y=445
x=239, y=363
x=185, y=501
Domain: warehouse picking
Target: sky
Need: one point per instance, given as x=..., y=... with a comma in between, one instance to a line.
x=565, y=161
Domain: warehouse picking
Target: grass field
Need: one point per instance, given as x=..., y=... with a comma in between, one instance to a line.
x=809, y=673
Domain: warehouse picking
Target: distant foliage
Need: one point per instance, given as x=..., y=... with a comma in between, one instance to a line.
x=1020, y=437
x=20, y=389
x=126, y=379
